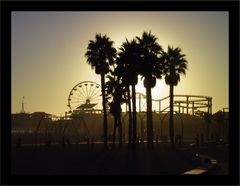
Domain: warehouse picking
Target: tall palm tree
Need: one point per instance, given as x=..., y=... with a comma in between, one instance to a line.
x=100, y=54
x=151, y=68
x=175, y=65
x=128, y=62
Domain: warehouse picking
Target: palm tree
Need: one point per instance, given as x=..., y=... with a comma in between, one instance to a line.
x=128, y=63
x=151, y=68
x=175, y=65
x=100, y=54
x=115, y=92
x=120, y=72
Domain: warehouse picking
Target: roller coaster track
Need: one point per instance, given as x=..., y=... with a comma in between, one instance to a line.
x=184, y=103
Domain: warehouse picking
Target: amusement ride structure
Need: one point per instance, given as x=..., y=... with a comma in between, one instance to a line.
x=85, y=110
x=85, y=97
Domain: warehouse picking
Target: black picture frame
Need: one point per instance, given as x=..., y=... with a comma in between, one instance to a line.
x=230, y=6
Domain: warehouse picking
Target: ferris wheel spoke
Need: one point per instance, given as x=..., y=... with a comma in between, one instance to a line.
x=81, y=94
x=77, y=101
x=86, y=91
x=86, y=85
x=93, y=92
x=73, y=97
x=96, y=97
x=97, y=94
x=96, y=101
x=77, y=97
x=75, y=94
x=90, y=91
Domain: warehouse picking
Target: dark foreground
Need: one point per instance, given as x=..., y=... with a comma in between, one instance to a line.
x=82, y=159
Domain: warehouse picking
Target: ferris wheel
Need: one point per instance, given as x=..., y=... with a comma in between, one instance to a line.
x=87, y=94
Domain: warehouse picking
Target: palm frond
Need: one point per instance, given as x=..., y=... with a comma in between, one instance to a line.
x=175, y=65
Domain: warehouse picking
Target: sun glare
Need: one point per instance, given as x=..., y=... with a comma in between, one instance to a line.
x=158, y=91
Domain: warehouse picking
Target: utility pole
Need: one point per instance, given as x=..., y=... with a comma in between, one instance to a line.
x=22, y=110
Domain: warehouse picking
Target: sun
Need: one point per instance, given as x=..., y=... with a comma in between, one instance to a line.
x=159, y=91
x=140, y=87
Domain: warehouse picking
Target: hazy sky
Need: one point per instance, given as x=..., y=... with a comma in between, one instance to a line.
x=48, y=52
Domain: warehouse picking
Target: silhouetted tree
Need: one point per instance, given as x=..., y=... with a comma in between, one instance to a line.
x=115, y=92
x=128, y=69
x=151, y=68
x=120, y=72
x=175, y=65
x=100, y=54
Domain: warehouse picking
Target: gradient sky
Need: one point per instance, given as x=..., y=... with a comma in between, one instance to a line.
x=48, y=53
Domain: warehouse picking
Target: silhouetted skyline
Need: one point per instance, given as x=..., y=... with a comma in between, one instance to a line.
x=48, y=52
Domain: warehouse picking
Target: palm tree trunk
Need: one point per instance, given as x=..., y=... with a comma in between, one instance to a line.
x=171, y=128
x=114, y=131
x=120, y=130
x=129, y=118
x=105, y=129
x=149, y=117
x=142, y=130
x=134, y=116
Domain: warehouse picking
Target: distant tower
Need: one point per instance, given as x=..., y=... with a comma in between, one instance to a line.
x=22, y=110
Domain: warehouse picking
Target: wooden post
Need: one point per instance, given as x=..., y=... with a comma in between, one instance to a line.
x=192, y=108
x=210, y=105
x=159, y=106
x=139, y=103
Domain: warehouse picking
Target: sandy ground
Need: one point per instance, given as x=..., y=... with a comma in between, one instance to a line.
x=93, y=160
